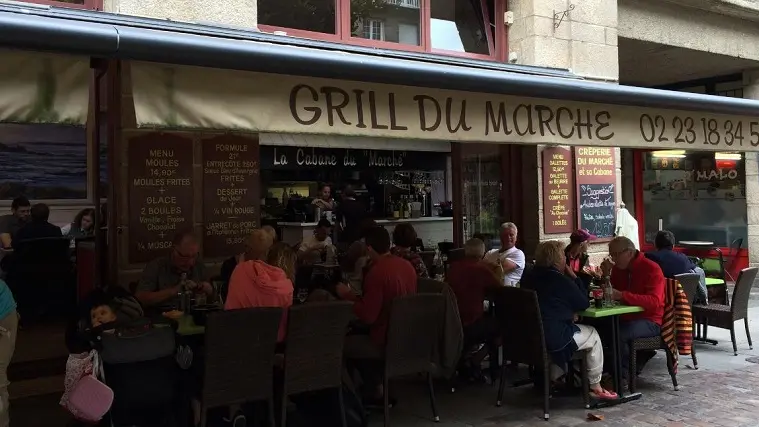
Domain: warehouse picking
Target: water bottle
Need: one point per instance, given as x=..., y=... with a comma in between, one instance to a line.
x=608, y=290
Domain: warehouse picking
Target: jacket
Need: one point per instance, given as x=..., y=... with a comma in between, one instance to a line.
x=257, y=284
x=451, y=344
x=672, y=263
x=559, y=298
x=641, y=284
x=677, y=323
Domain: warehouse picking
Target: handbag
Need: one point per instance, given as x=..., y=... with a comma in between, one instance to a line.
x=86, y=397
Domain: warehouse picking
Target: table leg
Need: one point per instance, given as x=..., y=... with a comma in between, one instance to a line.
x=617, y=371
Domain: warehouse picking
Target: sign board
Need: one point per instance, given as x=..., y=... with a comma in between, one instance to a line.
x=595, y=173
x=172, y=96
x=160, y=193
x=231, y=198
x=295, y=158
x=558, y=191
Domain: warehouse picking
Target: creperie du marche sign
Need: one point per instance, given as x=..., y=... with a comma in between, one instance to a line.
x=515, y=119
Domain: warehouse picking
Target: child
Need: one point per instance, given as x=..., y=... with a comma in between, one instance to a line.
x=101, y=314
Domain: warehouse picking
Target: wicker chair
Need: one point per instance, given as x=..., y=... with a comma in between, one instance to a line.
x=520, y=322
x=725, y=316
x=314, y=353
x=429, y=286
x=649, y=343
x=690, y=283
x=413, y=331
x=239, y=356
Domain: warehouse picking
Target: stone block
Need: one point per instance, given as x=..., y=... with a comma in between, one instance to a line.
x=547, y=52
x=587, y=32
x=611, y=36
x=593, y=60
x=596, y=12
x=233, y=13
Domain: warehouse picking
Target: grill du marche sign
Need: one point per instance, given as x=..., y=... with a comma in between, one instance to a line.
x=294, y=104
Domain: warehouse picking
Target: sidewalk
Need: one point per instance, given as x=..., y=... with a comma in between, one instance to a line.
x=724, y=391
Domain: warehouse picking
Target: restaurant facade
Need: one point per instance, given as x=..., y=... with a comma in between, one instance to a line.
x=200, y=128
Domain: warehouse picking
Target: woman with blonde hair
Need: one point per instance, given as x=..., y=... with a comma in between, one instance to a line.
x=560, y=300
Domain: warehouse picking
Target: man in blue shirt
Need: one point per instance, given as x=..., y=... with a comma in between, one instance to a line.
x=8, y=328
x=673, y=263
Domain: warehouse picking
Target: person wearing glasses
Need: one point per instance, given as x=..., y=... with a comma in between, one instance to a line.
x=163, y=278
x=638, y=281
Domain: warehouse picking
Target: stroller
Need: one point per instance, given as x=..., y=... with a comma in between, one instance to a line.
x=138, y=360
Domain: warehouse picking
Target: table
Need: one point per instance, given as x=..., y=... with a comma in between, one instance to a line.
x=188, y=327
x=713, y=281
x=613, y=313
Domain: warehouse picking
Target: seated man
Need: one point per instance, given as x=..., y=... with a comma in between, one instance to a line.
x=312, y=247
x=560, y=299
x=388, y=277
x=163, y=278
x=636, y=281
x=10, y=224
x=471, y=279
x=509, y=257
x=673, y=263
x=38, y=227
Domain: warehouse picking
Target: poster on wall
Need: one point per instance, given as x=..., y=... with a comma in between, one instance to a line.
x=558, y=191
x=595, y=173
x=43, y=161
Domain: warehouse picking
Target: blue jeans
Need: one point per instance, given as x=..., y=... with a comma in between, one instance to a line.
x=702, y=296
x=629, y=331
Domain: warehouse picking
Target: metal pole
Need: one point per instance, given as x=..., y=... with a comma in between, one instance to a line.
x=100, y=70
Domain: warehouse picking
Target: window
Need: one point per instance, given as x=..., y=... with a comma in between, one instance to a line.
x=696, y=195
x=317, y=16
x=77, y=4
x=43, y=161
x=481, y=170
x=374, y=29
x=456, y=27
x=395, y=21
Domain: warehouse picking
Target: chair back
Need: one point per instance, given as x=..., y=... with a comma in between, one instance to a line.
x=52, y=254
x=714, y=266
x=315, y=338
x=735, y=247
x=521, y=324
x=429, y=286
x=239, y=352
x=413, y=332
x=689, y=282
x=742, y=292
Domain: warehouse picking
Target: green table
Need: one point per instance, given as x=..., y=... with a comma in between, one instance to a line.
x=596, y=313
x=613, y=313
x=713, y=281
x=188, y=327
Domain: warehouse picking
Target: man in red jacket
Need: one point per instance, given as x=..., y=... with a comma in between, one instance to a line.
x=636, y=281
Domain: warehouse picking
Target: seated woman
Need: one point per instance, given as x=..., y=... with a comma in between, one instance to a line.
x=83, y=225
x=577, y=257
x=255, y=283
x=228, y=266
x=404, y=238
x=560, y=299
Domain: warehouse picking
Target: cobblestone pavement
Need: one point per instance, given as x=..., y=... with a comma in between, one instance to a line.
x=724, y=391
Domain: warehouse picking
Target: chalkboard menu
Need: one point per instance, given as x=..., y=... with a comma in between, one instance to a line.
x=230, y=193
x=558, y=190
x=597, y=209
x=595, y=173
x=160, y=193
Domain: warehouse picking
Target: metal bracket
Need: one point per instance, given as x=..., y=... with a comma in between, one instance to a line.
x=558, y=17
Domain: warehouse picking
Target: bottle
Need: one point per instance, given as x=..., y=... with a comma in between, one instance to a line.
x=396, y=210
x=608, y=291
x=183, y=293
x=389, y=207
x=407, y=208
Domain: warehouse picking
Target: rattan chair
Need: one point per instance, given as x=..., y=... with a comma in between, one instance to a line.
x=690, y=283
x=239, y=356
x=314, y=353
x=725, y=316
x=414, y=327
x=521, y=326
x=429, y=286
x=649, y=343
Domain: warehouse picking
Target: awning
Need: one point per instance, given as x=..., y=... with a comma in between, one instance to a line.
x=43, y=88
x=114, y=36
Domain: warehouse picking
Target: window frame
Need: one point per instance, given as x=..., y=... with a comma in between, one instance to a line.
x=88, y=4
x=496, y=45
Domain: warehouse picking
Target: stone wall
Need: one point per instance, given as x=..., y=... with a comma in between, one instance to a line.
x=585, y=42
x=751, y=91
x=231, y=13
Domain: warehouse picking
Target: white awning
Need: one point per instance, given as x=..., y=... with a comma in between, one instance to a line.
x=43, y=88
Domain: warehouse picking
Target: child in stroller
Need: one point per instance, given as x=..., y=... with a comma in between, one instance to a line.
x=138, y=359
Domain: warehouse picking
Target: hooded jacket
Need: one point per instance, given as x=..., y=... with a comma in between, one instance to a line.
x=257, y=284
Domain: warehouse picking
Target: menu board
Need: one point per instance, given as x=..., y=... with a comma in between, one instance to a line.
x=595, y=173
x=160, y=193
x=558, y=190
x=230, y=193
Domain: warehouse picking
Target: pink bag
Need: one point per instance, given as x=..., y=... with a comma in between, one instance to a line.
x=86, y=397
